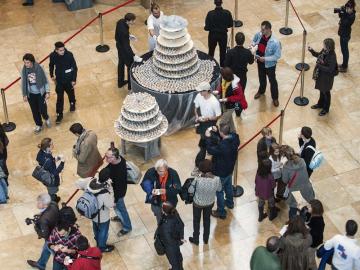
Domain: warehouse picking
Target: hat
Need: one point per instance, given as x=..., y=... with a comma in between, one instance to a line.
x=203, y=86
x=95, y=186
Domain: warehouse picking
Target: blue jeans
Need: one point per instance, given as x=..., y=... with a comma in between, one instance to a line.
x=3, y=191
x=228, y=189
x=101, y=233
x=45, y=255
x=292, y=212
x=123, y=215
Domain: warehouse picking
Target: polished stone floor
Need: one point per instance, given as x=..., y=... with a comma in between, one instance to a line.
x=35, y=29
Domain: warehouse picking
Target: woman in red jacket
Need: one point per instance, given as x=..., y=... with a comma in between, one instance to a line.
x=231, y=95
x=89, y=258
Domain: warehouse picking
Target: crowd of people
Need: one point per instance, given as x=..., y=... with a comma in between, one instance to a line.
x=283, y=173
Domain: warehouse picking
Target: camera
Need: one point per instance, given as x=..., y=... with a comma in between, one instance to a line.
x=340, y=10
x=214, y=135
x=33, y=220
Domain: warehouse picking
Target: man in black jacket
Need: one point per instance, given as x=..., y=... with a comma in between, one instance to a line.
x=217, y=23
x=44, y=223
x=238, y=58
x=307, y=147
x=118, y=175
x=347, y=18
x=161, y=183
x=224, y=155
x=126, y=55
x=65, y=77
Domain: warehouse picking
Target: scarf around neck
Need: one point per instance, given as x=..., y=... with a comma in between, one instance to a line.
x=81, y=138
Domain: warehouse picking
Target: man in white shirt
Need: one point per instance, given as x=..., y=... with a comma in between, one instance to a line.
x=346, y=251
x=210, y=112
x=153, y=24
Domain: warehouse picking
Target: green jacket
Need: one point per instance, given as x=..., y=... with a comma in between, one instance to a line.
x=262, y=259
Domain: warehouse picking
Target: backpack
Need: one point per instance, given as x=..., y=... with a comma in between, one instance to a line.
x=87, y=205
x=67, y=213
x=316, y=159
x=185, y=195
x=133, y=173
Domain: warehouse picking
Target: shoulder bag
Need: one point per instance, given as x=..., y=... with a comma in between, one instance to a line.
x=44, y=176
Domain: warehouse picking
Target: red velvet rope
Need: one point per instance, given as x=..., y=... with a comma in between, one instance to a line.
x=297, y=15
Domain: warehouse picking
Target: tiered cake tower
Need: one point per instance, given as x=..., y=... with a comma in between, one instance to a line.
x=140, y=119
x=175, y=56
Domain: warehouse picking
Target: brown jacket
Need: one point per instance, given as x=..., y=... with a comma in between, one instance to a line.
x=89, y=157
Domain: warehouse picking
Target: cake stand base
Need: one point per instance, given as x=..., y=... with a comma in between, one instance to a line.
x=151, y=148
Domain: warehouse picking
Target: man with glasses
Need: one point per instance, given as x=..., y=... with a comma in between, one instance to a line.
x=118, y=175
x=64, y=78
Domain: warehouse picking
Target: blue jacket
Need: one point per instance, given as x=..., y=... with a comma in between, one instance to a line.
x=272, y=51
x=224, y=154
x=151, y=181
x=50, y=165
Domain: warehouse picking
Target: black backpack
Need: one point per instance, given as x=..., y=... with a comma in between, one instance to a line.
x=185, y=195
x=67, y=214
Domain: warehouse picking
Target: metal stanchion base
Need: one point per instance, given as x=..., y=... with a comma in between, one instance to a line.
x=286, y=31
x=300, y=66
x=102, y=48
x=8, y=127
x=238, y=191
x=301, y=101
x=238, y=23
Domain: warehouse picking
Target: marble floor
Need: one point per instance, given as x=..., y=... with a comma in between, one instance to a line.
x=35, y=29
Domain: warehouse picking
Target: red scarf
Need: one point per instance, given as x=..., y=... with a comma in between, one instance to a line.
x=163, y=179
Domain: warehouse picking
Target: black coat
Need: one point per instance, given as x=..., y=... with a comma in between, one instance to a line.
x=317, y=226
x=325, y=80
x=218, y=21
x=47, y=221
x=307, y=153
x=47, y=161
x=63, y=63
x=262, y=146
x=122, y=36
x=224, y=154
x=237, y=59
x=346, y=21
x=171, y=232
x=151, y=181
x=118, y=175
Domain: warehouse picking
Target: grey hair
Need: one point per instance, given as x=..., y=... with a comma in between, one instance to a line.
x=161, y=163
x=44, y=198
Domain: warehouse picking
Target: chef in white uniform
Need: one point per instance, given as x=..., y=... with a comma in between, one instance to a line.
x=153, y=24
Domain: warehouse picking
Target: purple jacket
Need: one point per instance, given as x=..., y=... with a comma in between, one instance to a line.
x=264, y=186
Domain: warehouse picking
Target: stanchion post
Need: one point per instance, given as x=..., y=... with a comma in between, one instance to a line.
x=102, y=47
x=237, y=23
x=303, y=65
x=281, y=126
x=7, y=126
x=237, y=190
x=301, y=100
x=286, y=30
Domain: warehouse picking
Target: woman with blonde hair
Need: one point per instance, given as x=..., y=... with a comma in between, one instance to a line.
x=295, y=176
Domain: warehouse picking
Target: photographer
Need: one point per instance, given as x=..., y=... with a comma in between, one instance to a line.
x=224, y=154
x=347, y=17
x=44, y=223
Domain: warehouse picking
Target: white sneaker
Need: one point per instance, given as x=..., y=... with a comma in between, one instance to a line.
x=48, y=123
x=37, y=129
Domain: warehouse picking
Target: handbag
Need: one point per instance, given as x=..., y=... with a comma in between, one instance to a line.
x=289, y=185
x=158, y=244
x=44, y=176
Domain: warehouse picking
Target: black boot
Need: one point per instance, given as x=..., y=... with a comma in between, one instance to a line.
x=262, y=215
x=273, y=213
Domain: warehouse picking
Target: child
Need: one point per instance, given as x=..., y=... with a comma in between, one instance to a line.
x=264, y=189
x=276, y=170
